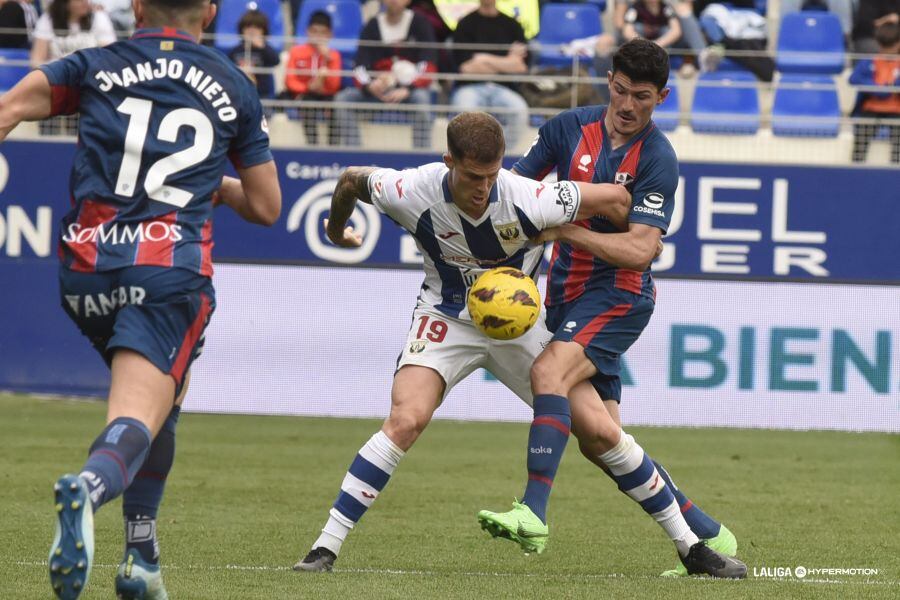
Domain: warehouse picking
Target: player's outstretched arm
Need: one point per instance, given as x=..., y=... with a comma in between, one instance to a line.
x=606, y=200
x=353, y=185
x=29, y=100
x=256, y=196
x=634, y=249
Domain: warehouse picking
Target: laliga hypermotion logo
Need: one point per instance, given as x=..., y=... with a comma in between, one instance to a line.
x=313, y=206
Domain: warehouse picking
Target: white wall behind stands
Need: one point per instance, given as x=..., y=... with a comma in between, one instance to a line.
x=324, y=342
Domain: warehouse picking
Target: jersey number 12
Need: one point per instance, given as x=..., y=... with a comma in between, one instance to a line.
x=154, y=182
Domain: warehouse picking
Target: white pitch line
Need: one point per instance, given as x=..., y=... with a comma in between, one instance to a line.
x=419, y=573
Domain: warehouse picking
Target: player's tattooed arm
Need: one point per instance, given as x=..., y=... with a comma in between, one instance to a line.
x=353, y=185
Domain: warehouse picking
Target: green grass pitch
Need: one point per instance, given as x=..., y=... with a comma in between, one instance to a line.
x=248, y=495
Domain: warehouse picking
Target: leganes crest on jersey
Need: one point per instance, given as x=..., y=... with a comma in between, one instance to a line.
x=457, y=248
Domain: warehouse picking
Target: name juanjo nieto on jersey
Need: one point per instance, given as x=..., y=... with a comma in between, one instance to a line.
x=173, y=68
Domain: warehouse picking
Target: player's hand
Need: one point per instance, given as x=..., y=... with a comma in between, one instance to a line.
x=547, y=235
x=345, y=238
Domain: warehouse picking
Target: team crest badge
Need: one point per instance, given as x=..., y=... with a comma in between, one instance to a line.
x=416, y=346
x=507, y=231
x=624, y=178
x=167, y=45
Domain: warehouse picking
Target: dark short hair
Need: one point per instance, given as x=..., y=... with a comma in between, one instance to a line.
x=174, y=12
x=254, y=18
x=176, y=4
x=475, y=135
x=642, y=61
x=320, y=17
x=887, y=34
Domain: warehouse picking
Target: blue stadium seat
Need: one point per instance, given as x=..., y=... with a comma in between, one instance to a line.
x=230, y=13
x=11, y=74
x=726, y=103
x=346, y=24
x=818, y=35
x=601, y=4
x=792, y=104
x=562, y=23
x=666, y=114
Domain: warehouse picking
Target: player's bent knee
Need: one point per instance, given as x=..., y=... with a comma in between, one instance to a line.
x=547, y=376
x=404, y=427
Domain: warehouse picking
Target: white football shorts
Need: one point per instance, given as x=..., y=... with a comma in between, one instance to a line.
x=455, y=348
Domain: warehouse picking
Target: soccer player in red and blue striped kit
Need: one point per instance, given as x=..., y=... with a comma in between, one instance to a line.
x=600, y=296
x=159, y=117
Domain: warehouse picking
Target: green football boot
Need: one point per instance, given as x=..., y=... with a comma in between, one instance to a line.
x=520, y=525
x=724, y=543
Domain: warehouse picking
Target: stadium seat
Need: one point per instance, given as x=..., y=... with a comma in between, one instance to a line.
x=562, y=23
x=793, y=104
x=666, y=114
x=726, y=103
x=11, y=74
x=346, y=23
x=601, y=4
x=810, y=42
x=230, y=13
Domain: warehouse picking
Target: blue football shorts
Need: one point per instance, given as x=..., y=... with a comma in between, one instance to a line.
x=605, y=323
x=159, y=312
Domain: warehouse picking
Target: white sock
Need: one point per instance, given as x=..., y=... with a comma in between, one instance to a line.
x=627, y=458
x=379, y=452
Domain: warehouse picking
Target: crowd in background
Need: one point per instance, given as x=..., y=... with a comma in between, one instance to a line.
x=388, y=72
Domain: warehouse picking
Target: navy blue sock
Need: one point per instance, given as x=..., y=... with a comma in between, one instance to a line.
x=115, y=458
x=140, y=503
x=546, y=444
x=704, y=526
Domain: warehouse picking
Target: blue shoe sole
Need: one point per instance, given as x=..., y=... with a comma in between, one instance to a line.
x=69, y=560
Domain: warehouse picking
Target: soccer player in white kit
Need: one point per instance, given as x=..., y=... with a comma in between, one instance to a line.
x=467, y=215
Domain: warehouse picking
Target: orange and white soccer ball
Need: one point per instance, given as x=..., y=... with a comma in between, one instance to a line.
x=504, y=303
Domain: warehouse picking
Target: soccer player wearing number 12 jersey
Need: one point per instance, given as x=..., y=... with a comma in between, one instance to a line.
x=159, y=116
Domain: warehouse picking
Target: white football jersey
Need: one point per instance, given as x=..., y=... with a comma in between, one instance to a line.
x=456, y=248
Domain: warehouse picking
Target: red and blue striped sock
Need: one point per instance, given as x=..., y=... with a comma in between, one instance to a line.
x=116, y=455
x=140, y=502
x=546, y=444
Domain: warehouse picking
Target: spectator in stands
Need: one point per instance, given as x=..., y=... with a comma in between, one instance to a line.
x=120, y=12
x=870, y=15
x=20, y=15
x=295, y=12
x=657, y=20
x=427, y=9
x=841, y=8
x=736, y=29
x=389, y=73
x=67, y=26
x=700, y=5
x=883, y=69
x=487, y=25
x=526, y=12
x=313, y=74
x=254, y=53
